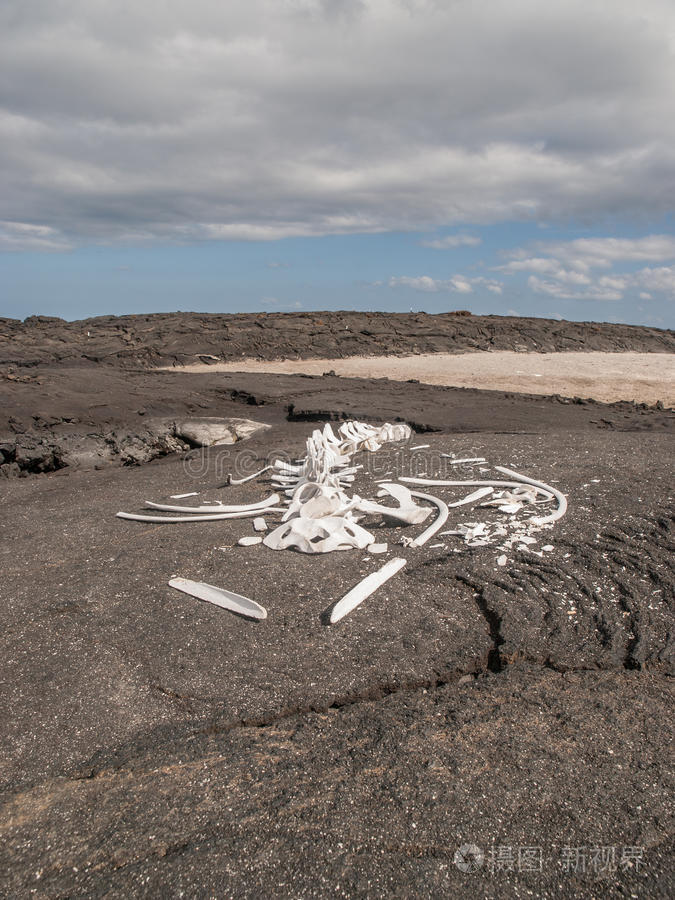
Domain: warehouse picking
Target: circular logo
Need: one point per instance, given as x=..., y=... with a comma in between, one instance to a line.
x=469, y=858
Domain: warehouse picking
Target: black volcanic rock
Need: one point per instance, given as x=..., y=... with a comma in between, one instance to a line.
x=166, y=338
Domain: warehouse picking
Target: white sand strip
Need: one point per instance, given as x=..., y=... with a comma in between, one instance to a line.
x=643, y=377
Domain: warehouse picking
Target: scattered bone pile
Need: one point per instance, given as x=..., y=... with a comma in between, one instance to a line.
x=318, y=515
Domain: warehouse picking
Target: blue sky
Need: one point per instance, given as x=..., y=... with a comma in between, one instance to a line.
x=513, y=158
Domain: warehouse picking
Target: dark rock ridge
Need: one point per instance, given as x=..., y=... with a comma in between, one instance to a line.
x=166, y=338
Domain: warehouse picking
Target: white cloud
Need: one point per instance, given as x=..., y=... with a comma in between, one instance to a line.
x=569, y=267
x=262, y=119
x=26, y=236
x=458, y=284
x=420, y=283
x=563, y=292
x=453, y=240
x=660, y=279
x=585, y=253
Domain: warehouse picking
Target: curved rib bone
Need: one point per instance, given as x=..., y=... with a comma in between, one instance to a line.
x=541, y=488
x=365, y=588
x=231, y=480
x=438, y=523
x=272, y=500
x=200, y=518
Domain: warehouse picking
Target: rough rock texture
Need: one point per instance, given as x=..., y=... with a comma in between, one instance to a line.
x=155, y=745
x=148, y=340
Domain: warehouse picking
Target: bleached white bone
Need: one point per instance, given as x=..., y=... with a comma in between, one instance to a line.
x=287, y=468
x=470, y=498
x=220, y=597
x=259, y=524
x=319, y=535
x=457, y=462
x=315, y=500
x=434, y=482
x=378, y=548
x=134, y=517
x=541, y=486
x=407, y=511
x=438, y=523
x=231, y=480
x=365, y=588
x=519, y=496
x=249, y=540
x=272, y=500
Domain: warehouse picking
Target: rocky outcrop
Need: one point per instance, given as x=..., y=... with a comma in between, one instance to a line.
x=43, y=450
x=166, y=338
x=209, y=431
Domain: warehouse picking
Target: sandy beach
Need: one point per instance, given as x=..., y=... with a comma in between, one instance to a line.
x=608, y=377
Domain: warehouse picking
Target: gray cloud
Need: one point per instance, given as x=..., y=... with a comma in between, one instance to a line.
x=270, y=118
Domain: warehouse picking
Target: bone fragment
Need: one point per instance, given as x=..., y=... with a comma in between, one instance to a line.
x=365, y=588
x=477, y=495
x=220, y=597
x=541, y=486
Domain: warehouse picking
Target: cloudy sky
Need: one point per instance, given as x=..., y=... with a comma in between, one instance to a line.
x=502, y=156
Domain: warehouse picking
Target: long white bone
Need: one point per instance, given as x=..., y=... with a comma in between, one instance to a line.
x=365, y=588
x=272, y=500
x=200, y=518
x=432, y=482
x=220, y=597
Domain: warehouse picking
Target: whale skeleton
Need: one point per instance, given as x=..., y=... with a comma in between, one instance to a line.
x=320, y=516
